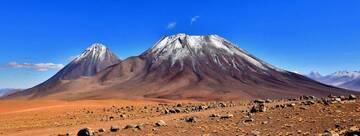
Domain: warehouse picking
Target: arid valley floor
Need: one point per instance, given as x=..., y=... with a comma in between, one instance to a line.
x=301, y=116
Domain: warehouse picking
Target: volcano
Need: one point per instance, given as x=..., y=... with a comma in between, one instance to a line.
x=94, y=59
x=189, y=67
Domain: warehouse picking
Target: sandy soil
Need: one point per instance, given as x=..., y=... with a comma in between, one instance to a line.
x=68, y=117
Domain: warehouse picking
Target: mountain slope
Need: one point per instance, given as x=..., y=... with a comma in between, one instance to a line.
x=191, y=67
x=93, y=60
x=353, y=85
x=344, y=79
x=7, y=91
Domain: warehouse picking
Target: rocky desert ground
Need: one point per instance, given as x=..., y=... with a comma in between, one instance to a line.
x=307, y=115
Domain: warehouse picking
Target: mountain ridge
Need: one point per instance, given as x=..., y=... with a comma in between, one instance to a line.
x=343, y=79
x=188, y=67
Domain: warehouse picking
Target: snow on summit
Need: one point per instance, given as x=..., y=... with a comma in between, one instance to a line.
x=96, y=50
x=180, y=46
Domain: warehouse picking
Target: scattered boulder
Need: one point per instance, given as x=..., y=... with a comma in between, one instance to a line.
x=140, y=126
x=330, y=133
x=337, y=99
x=248, y=120
x=160, y=123
x=264, y=122
x=191, y=119
x=221, y=104
x=226, y=116
x=114, y=128
x=258, y=108
x=85, y=132
x=66, y=134
x=101, y=130
x=259, y=101
x=254, y=133
x=214, y=115
x=268, y=101
x=130, y=126
x=291, y=105
x=308, y=102
x=179, y=105
x=352, y=97
x=122, y=116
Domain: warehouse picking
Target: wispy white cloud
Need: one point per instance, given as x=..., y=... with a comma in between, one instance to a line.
x=171, y=25
x=35, y=66
x=194, y=19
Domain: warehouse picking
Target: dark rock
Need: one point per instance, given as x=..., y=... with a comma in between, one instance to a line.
x=308, y=102
x=140, y=126
x=160, y=123
x=291, y=105
x=130, y=126
x=221, y=104
x=248, y=120
x=352, y=97
x=179, y=105
x=191, y=119
x=214, y=115
x=123, y=116
x=101, y=130
x=85, y=132
x=114, y=128
x=258, y=108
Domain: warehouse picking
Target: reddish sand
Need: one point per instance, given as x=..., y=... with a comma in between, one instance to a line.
x=46, y=118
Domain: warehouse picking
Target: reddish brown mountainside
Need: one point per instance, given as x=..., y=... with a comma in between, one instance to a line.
x=188, y=67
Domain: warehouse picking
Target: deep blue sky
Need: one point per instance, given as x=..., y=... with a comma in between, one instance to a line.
x=297, y=35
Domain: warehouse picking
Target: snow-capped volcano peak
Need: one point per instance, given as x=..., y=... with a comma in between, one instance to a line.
x=95, y=51
x=94, y=59
x=214, y=48
x=97, y=47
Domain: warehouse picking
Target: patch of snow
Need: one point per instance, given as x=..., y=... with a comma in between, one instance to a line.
x=177, y=47
x=96, y=51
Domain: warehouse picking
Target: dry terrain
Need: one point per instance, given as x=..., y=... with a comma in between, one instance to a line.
x=301, y=116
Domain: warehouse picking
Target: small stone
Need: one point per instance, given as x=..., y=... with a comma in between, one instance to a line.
x=179, y=105
x=352, y=97
x=254, y=133
x=123, y=116
x=226, y=116
x=291, y=105
x=140, y=126
x=101, y=130
x=214, y=115
x=249, y=120
x=66, y=134
x=191, y=119
x=337, y=99
x=330, y=133
x=130, y=126
x=160, y=123
x=258, y=108
x=221, y=104
x=259, y=101
x=114, y=128
x=85, y=132
x=264, y=122
x=268, y=101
